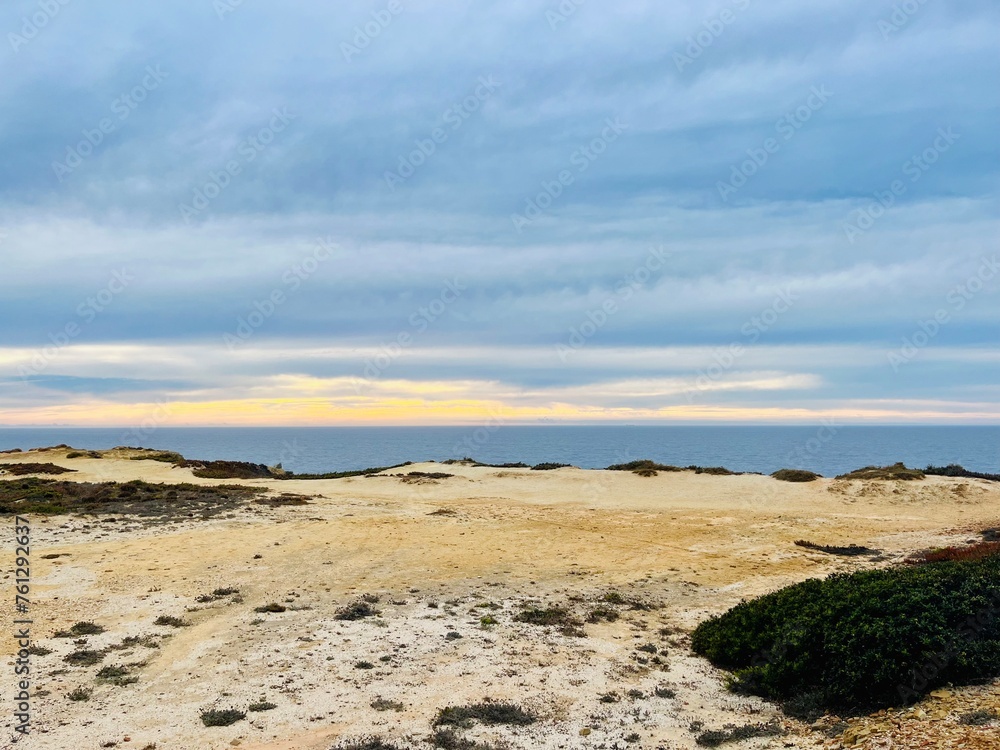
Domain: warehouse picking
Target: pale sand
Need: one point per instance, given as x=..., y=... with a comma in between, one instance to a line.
x=697, y=544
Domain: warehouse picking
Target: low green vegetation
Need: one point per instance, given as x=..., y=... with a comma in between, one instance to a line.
x=795, y=475
x=954, y=470
x=79, y=694
x=449, y=739
x=35, y=468
x=862, y=641
x=111, y=671
x=647, y=468
x=171, y=621
x=249, y=470
x=86, y=628
x=716, y=737
x=346, y=474
x=283, y=500
x=356, y=611
x=602, y=614
x=414, y=476
x=168, y=457
x=897, y=471
x=547, y=616
x=221, y=717
x=84, y=658
x=135, y=498
x=261, y=706
x=226, y=469
x=549, y=466
x=488, y=712
x=117, y=674
x=851, y=550
x=366, y=743
x=643, y=465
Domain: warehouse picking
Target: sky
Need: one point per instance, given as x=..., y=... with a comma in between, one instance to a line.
x=517, y=212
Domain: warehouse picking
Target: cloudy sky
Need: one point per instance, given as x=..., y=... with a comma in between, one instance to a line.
x=408, y=212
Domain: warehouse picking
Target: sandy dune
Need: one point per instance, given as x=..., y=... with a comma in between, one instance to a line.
x=440, y=555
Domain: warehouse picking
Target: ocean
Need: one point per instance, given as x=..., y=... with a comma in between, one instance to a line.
x=828, y=450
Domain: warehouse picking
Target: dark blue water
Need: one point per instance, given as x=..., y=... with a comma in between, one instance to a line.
x=826, y=450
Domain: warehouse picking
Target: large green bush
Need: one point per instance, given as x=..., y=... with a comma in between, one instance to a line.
x=862, y=641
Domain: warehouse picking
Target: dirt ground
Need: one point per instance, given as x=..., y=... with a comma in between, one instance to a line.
x=663, y=553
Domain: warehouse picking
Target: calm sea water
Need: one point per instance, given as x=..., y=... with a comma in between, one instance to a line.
x=827, y=450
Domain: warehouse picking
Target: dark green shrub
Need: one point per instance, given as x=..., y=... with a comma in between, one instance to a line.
x=112, y=671
x=35, y=468
x=862, y=641
x=221, y=718
x=643, y=465
x=602, y=614
x=262, y=706
x=87, y=628
x=548, y=466
x=795, y=475
x=716, y=737
x=272, y=607
x=171, y=621
x=720, y=471
x=449, y=739
x=896, y=471
x=356, y=611
x=84, y=658
x=851, y=550
x=954, y=470
x=488, y=712
x=366, y=743
x=79, y=694
x=548, y=616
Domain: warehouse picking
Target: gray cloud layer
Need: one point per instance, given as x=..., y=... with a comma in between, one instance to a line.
x=466, y=147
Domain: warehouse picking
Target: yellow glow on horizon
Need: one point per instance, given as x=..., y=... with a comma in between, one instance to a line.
x=305, y=411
